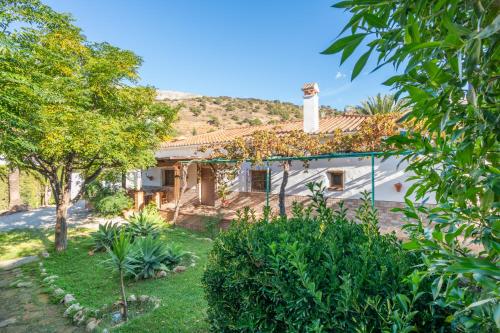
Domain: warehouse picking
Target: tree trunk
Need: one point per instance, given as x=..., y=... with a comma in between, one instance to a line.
x=124, y=298
x=62, y=205
x=286, y=169
x=46, y=195
x=14, y=189
x=184, y=171
x=124, y=181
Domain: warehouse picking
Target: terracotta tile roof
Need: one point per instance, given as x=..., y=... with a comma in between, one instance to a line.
x=346, y=123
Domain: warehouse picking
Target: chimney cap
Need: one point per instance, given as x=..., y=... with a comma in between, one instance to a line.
x=310, y=88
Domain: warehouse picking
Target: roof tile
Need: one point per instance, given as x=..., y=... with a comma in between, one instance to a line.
x=345, y=123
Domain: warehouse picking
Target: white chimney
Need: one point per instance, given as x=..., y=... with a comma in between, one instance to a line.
x=311, y=107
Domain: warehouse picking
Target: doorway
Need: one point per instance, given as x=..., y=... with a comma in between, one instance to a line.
x=207, y=187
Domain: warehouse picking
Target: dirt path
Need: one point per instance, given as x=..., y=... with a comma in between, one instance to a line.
x=26, y=309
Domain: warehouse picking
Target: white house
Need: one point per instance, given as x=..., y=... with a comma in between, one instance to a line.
x=345, y=178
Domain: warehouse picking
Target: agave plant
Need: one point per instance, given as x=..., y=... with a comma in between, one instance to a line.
x=145, y=223
x=150, y=254
x=104, y=236
x=175, y=255
x=122, y=261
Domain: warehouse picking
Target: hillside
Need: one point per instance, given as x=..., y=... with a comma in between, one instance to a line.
x=202, y=114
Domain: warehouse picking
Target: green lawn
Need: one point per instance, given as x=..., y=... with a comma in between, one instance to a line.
x=24, y=242
x=183, y=307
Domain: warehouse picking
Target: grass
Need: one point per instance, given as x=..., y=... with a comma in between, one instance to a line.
x=24, y=242
x=183, y=307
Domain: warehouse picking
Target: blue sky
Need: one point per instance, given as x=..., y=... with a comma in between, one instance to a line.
x=246, y=48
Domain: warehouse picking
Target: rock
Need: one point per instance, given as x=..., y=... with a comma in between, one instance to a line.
x=179, y=269
x=79, y=317
x=105, y=330
x=73, y=308
x=43, y=270
x=45, y=254
x=24, y=284
x=91, y=325
x=58, y=292
x=116, y=317
x=49, y=279
x=143, y=298
x=68, y=298
x=161, y=274
x=7, y=322
x=132, y=298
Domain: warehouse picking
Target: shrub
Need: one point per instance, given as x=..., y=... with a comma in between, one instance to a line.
x=310, y=273
x=104, y=236
x=175, y=255
x=152, y=255
x=149, y=255
x=145, y=223
x=195, y=111
x=112, y=204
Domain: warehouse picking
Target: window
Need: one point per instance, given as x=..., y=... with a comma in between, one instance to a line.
x=168, y=177
x=258, y=180
x=336, y=178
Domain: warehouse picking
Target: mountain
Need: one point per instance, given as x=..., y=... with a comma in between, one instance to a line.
x=201, y=114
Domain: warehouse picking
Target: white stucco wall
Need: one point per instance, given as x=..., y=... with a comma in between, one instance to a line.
x=357, y=176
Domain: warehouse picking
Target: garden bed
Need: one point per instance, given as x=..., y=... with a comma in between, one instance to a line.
x=182, y=307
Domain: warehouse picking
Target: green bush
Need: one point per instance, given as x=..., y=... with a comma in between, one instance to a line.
x=104, y=236
x=107, y=200
x=112, y=204
x=316, y=271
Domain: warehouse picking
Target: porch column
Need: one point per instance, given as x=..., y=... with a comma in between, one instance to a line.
x=157, y=199
x=138, y=200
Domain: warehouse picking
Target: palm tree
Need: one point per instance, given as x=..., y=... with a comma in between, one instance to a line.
x=382, y=104
x=122, y=261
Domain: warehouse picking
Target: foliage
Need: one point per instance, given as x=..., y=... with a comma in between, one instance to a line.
x=123, y=262
x=382, y=104
x=146, y=223
x=149, y=254
x=94, y=287
x=105, y=235
x=447, y=54
x=316, y=271
x=69, y=105
x=212, y=225
x=31, y=186
x=113, y=203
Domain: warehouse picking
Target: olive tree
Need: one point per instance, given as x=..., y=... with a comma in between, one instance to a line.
x=70, y=106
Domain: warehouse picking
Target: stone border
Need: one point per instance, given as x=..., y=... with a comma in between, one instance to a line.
x=78, y=314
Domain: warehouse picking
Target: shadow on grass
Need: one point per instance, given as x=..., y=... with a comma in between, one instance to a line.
x=23, y=242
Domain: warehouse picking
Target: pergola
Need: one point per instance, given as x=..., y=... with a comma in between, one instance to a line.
x=268, y=161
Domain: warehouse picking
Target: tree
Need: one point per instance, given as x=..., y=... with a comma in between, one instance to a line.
x=447, y=56
x=14, y=189
x=123, y=262
x=382, y=104
x=70, y=106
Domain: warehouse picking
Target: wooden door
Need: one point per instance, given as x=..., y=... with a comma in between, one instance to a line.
x=207, y=187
